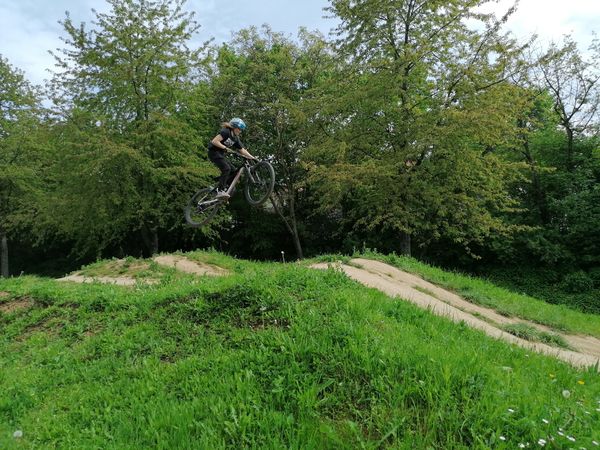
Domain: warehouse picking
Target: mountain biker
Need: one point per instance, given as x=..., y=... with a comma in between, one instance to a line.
x=227, y=138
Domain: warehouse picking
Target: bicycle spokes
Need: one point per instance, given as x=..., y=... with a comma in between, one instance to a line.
x=260, y=183
x=202, y=207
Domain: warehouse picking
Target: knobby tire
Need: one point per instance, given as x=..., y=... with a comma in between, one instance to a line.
x=202, y=207
x=260, y=182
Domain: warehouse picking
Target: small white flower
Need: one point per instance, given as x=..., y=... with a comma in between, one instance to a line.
x=560, y=433
x=595, y=443
x=545, y=421
x=510, y=410
x=542, y=442
x=571, y=438
x=502, y=438
x=521, y=445
x=566, y=394
x=18, y=434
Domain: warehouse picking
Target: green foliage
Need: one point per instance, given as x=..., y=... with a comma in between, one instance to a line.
x=272, y=81
x=578, y=282
x=21, y=156
x=131, y=143
x=411, y=144
x=594, y=274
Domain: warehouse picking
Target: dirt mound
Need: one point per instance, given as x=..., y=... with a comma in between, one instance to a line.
x=121, y=281
x=185, y=265
x=178, y=262
x=397, y=283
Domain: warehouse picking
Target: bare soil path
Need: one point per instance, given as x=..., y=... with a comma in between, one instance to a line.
x=397, y=283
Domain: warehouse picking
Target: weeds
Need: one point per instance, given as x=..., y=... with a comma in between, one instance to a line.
x=531, y=333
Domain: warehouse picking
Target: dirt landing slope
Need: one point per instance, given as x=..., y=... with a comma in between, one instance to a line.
x=397, y=283
x=193, y=267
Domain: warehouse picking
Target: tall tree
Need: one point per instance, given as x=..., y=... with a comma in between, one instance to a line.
x=574, y=83
x=268, y=78
x=133, y=74
x=416, y=118
x=19, y=153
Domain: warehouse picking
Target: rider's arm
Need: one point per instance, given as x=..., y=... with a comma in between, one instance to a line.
x=245, y=152
x=217, y=142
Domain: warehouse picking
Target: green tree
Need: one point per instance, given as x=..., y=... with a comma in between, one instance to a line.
x=574, y=83
x=417, y=120
x=19, y=155
x=127, y=86
x=268, y=79
x=559, y=146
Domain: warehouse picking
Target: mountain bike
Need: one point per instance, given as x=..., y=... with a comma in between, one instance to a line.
x=259, y=181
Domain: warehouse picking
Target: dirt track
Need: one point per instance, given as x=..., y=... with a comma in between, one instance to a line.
x=397, y=283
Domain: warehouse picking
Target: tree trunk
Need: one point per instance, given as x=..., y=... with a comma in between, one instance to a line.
x=294, y=229
x=405, y=244
x=570, y=139
x=150, y=238
x=297, y=243
x=3, y=255
x=290, y=223
x=538, y=192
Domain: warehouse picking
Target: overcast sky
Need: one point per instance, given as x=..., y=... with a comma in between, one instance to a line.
x=29, y=28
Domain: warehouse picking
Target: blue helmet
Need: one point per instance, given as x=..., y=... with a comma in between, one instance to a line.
x=236, y=122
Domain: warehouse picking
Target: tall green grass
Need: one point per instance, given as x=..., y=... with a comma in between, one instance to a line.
x=273, y=356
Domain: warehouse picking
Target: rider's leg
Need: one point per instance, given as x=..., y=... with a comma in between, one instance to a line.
x=218, y=159
x=224, y=166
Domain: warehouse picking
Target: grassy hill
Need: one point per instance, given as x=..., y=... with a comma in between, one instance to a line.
x=276, y=356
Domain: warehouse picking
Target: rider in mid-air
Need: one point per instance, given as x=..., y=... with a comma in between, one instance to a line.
x=227, y=138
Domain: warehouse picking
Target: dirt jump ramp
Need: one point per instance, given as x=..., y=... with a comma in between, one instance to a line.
x=397, y=283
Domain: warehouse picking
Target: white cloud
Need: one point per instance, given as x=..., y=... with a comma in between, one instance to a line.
x=552, y=19
x=29, y=28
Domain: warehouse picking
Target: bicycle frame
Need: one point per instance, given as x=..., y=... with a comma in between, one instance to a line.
x=235, y=180
x=243, y=168
x=258, y=187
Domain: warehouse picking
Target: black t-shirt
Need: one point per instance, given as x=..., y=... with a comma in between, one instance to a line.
x=229, y=140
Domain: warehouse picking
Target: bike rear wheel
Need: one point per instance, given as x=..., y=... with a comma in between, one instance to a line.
x=202, y=207
x=260, y=182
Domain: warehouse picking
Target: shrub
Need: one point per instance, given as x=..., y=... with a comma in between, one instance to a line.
x=577, y=282
x=594, y=274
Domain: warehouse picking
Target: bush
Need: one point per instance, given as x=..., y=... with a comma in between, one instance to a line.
x=577, y=282
x=594, y=274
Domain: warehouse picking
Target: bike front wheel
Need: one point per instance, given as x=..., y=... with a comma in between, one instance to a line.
x=260, y=182
x=202, y=207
